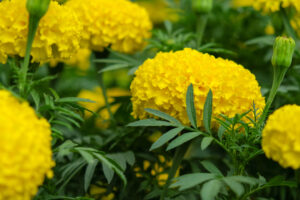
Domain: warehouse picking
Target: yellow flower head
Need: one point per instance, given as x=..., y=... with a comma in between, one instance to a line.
x=120, y=24
x=296, y=23
x=281, y=136
x=25, y=149
x=58, y=35
x=242, y=3
x=159, y=10
x=161, y=83
x=267, y=5
x=97, y=96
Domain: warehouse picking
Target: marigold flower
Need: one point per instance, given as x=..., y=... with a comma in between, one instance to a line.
x=55, y=38
x=161, y=83
x=120, y=24
x=159, y=11
x=25, y=149
x=281, y=136
x=97, y=96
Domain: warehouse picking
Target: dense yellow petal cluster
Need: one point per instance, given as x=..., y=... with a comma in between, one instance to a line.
x=159, y=11
x=96, y=95
x=281, y=136
x=268, y=5
x=58, y=35
x=120, y=24
x=25, y=149
x=161, y=83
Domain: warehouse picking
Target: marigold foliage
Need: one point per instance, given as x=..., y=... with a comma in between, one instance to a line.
x=268, y=5
x=120, y=24
x=25, y=149
x=161, y=83
x=159, y=11
x=99, y=105
x=58, y=35
x=281, y=136
x=296, y=23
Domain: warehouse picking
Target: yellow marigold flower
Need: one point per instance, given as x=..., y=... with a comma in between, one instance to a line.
x=120, y=24
x=269, y=30
x=81, y=60
x=296, y=23
x=159, y=11
x=58, y=35
x=274, y=5
x=25, y=149
x=97, y=96
x=242, y=3
x=100, y=191
x=161, y=84
x=281, y=136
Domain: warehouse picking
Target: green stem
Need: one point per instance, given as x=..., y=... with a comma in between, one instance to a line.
x=104, y=93
x=178, y=157
x=200, y=28
x=33, y=25
x=278, y=75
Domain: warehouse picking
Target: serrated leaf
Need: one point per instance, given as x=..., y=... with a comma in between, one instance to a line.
x=166, y=137
x=163, y=115
x=190, y=180
x=150, y=122
x=210, y=190
x=89, y=173
x=211, y=168
x=183, y=139
x=206, y=142
x=86, y=155
x=190, y=107
x=129, y=157
x=235, y=186
x=207, y=111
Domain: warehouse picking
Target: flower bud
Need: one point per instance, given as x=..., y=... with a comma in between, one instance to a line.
x=202, y=6
x=283, y=51
x=37, y=8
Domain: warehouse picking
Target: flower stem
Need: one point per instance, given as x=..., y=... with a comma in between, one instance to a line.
x=200, y=28
x=178, y=157
x=33, y=25
x=278, y=76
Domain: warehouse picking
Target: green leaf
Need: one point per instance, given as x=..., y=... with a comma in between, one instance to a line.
x=183, y=139
x=89, y=173
x=207, y=111
x=86, y=155
x=166, y=137
x=190, y=180
x=244, y=179
x=163, y=115
x=150, y=122
x=114, y=67
x=235, y=186
x=129, y=157
x=190, y=107
x=221, y=131
x=73, y=100
x=206, y=142
x=108, y=172
x=210, y=190
x=211, y=168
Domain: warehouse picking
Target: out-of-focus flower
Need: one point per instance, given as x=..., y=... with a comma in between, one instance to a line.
x=100, y=191
x=296, y=23
x=120, y=24
x=25, y=149
x=281, y=136
x=159, y=169
x=58, y=35
x=159, y=10
x=269, y=30
x=161, y=83
x=81, y=60
x=268, y=5
x=97, y=96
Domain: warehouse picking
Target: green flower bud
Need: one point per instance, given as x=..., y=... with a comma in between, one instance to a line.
x=37, y=8
x=283, y=51
x=202, y=6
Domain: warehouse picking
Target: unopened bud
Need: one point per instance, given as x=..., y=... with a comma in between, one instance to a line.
x=202, y=6
x=37, y=8
x=283, y=51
